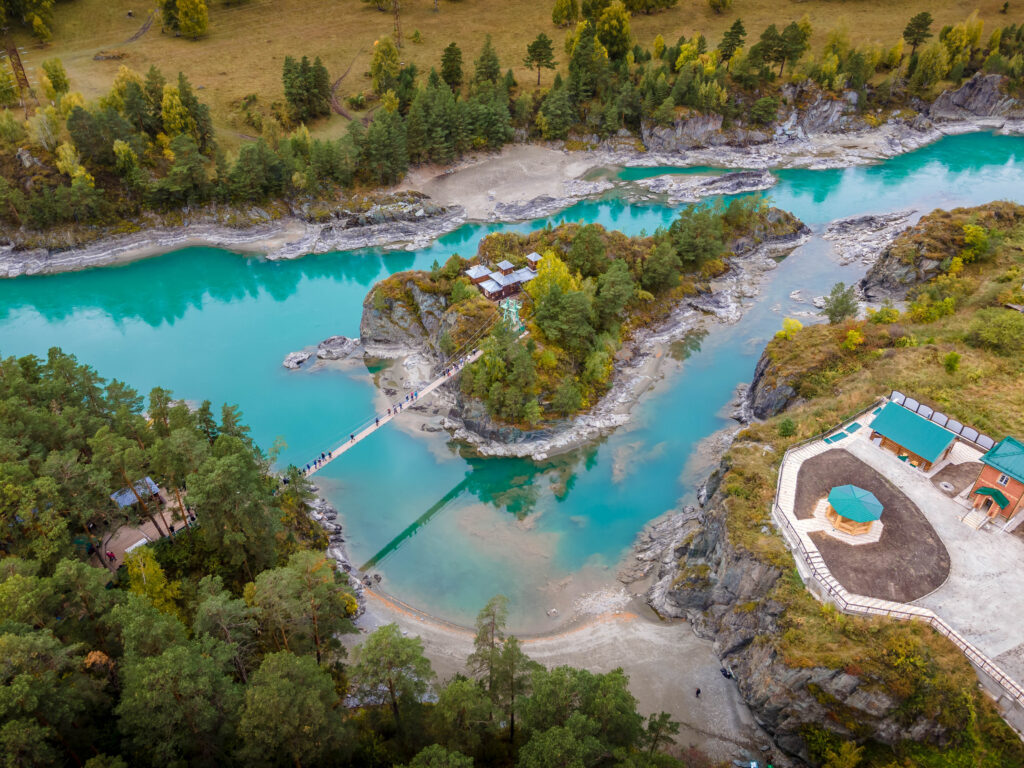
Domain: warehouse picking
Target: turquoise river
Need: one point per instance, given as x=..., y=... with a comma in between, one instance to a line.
x=212, y=324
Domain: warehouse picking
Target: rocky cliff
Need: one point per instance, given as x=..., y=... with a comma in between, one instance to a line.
x=981, y=96
x=401, y=318
x=769, y=393
x=726, y=593
x=808, y=111
x=920, y=253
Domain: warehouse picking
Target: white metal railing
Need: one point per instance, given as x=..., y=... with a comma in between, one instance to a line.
x=857, y=604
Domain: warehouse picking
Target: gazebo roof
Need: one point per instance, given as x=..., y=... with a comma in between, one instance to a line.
x=855, y=503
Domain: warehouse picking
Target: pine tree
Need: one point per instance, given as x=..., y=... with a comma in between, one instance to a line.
x=918, y=30
x=320, y=87
x=200, y=114
x=540, y=54
x=451, y=66
x=732, y=40
x=487, y=68
x=794, y=43
x=556, y=114
x=770, y=48
x=294, y=88
x=384, y=149
x=586, y=66
x=169, y=14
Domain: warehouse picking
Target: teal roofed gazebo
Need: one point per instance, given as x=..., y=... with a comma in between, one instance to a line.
x=852, y=510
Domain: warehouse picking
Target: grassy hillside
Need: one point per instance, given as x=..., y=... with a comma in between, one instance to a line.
x=969, y=364
x=246, y=46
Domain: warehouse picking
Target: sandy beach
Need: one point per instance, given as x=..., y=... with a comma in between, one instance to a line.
x=666, y=663
x=517, y=172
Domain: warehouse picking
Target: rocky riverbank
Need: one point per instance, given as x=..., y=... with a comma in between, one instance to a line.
x=408, y=220
x=326, y=516
x=525, y=182
x=696, y=572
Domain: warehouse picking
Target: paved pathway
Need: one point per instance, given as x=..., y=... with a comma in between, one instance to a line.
x=980, y=610
x=983, y=597
x=387, y=417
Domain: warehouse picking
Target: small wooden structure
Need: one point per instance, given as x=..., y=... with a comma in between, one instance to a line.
x=913, y=438
x=478, y=273
x=852, y=510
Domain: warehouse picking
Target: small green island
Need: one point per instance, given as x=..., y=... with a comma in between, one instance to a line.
x=588, y=290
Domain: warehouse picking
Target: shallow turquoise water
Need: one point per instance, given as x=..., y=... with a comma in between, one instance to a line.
x=211, y=324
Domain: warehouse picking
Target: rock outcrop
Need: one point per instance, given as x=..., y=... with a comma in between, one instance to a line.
x=402, y=316
x=981, y=96
x=294, y=360
x=894, y=274
x=691, y=189
x=338, y=348
x=769, y=394
x=545, y=205
x=863, y=238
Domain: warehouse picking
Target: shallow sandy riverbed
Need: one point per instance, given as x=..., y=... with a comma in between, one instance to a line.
x=666, y=663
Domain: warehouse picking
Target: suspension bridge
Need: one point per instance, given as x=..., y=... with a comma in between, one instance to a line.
x=379, y=421
x=448, y=370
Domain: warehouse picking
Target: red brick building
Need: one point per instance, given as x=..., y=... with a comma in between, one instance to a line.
x=999, y=489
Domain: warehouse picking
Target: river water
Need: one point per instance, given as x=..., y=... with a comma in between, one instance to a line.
x=211, y=324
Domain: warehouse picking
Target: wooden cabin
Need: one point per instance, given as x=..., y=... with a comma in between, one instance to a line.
x=533, y=261
x=914, y=439
x=477, y=274
x=506, y=267
x=999, y=489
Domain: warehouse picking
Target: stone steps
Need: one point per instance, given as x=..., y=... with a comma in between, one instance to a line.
x=975, y=519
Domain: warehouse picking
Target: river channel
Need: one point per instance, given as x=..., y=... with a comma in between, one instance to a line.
x=211, y=324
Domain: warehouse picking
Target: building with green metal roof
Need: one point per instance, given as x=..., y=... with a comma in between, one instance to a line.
x=913, y=438
x=1007, y=456
x=999, y=489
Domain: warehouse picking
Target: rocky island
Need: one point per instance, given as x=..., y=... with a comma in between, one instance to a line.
x=647, y=293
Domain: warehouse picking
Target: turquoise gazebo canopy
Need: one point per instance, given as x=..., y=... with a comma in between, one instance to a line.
x=855, y=503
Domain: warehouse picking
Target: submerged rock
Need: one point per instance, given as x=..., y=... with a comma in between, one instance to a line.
x=691, y=189
x=295, y=359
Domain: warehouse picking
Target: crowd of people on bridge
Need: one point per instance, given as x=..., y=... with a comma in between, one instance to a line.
x=412, y=397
